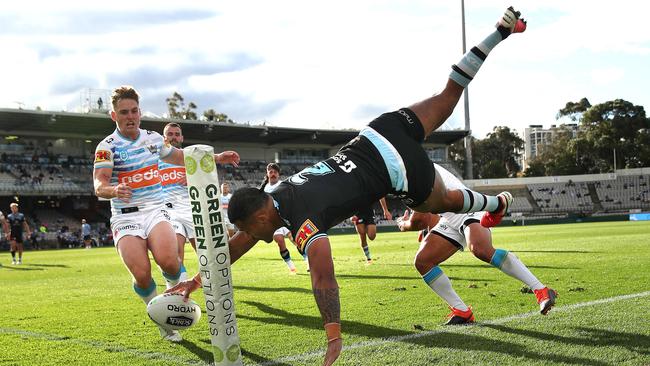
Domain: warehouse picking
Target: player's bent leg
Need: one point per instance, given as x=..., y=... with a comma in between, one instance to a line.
x=433, y=251
x=133, y=252
x=371, y=231
x=434, y=111
x=161, y=241
x=284, y=253
x=479, y=241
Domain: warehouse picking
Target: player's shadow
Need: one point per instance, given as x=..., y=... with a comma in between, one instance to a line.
x=378, y=277
x=438, y=339
x=485, y=265
x=22, y=268
x=274, y=289
x=634, y=342
x=207, y=357
x=47, y=265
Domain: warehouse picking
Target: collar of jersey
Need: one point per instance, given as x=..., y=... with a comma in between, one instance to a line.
x=117, y=132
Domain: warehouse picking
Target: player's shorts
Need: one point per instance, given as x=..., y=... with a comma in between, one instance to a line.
x=397, y=136
x=181, y=219
x=365, y=216
x=86, y=237
x=16, y=236
x=453, y=228
x=137, y=223
x=282, y=231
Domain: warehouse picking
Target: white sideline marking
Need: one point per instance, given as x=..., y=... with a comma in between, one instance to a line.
x=305, y=356
x=463, y=329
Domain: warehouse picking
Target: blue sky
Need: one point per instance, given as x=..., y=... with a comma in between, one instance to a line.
x=334, y=64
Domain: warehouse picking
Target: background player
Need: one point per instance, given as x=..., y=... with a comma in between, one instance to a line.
x=364, y=223
x=225, y=199
x=271, y=181
x=444, y=235
x=17, y=226
x=385, y=158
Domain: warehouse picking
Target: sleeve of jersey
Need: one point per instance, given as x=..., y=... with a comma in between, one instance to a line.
x=306, y=234
x=166, y=148
x=103, y=156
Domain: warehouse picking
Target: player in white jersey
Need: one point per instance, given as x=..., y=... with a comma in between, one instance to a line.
x=444, y=235
x=225, y=199
x=126, y=172
x=271, y=181
x=175, y=196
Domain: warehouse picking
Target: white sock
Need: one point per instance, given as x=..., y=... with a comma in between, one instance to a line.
x=441, y=285
x=509, y=264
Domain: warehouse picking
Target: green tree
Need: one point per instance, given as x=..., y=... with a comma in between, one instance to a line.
x=574, y=110
x=214, y=116
x=177, y=108
x=496, y=155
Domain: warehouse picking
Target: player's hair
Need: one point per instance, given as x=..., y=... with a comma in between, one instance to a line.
x=13, y=204
x=244, y=202
x=124, y=92
x=171, y=124
x=273, y=166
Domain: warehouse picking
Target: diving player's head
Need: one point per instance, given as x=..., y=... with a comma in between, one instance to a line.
x=126, y=111
x=173, y=134
x=273, y=172
x=252, y=211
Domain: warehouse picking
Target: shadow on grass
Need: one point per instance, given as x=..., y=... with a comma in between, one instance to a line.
x=22, y=268
x=46, y=265
x=206, y=356
x=591, y=337
x=274, y=289
x=441, y=339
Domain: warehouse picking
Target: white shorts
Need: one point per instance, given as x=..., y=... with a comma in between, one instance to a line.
x=282, y=231
x=182, y=222
x=453, y=227
x=137, y=223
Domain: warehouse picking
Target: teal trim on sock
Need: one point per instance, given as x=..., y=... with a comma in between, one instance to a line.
x=432, y=275
x=183, y=269
x=144, y=292
x=285, y=255
x=459, y=79
x=498, y=258
x=172, y=277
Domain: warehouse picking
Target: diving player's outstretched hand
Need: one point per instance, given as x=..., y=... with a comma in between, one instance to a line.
x=333, y=351
x=227, y=157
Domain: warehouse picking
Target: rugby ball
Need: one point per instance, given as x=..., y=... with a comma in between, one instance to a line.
x=172, y=313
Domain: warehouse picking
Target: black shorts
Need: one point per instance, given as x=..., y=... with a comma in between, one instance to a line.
x=17, y=237
x=366, y=216
x=412, y=171
x=86, y=237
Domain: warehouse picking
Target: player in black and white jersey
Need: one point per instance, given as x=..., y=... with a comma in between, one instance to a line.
x=364, y=223
x=385, y=158
x=17, y=227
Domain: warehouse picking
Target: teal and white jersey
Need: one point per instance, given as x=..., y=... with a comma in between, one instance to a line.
x=135, y=163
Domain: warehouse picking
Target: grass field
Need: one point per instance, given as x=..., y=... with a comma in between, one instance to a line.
x=76, y=307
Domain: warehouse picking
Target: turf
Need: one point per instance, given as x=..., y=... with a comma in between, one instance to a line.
x=76, y=307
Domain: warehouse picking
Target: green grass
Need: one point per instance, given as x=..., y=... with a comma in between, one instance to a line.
x=76, y=307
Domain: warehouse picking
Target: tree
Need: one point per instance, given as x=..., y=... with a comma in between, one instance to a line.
x=496, y=155
x=177, y=109
x=574, y=110
x=213, y=116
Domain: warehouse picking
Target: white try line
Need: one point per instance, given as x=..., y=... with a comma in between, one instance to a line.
x=463, y=329
x=179, y=360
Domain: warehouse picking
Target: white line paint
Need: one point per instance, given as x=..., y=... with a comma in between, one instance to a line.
x=460, y=330
x=179, y=360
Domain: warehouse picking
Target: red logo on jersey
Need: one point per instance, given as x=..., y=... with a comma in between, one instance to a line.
x=307, y=230
x=143, y=177
x=173, y=175
x=102, y=155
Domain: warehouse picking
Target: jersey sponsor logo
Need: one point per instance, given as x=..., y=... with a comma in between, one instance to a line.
x=124, y=155
x=102, y=156
x=152, y=149
x=406, y=115
x=143, y=177
x=172, y=175
x=306, y=231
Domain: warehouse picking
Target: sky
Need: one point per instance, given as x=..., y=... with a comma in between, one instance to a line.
x=323, y=65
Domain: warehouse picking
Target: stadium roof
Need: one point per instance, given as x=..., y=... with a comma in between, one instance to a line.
x=96, y=126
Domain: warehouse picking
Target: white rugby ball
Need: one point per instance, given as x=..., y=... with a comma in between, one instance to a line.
x=171, y=312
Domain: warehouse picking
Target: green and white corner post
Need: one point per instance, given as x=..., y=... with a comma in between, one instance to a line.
x=213, y=254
